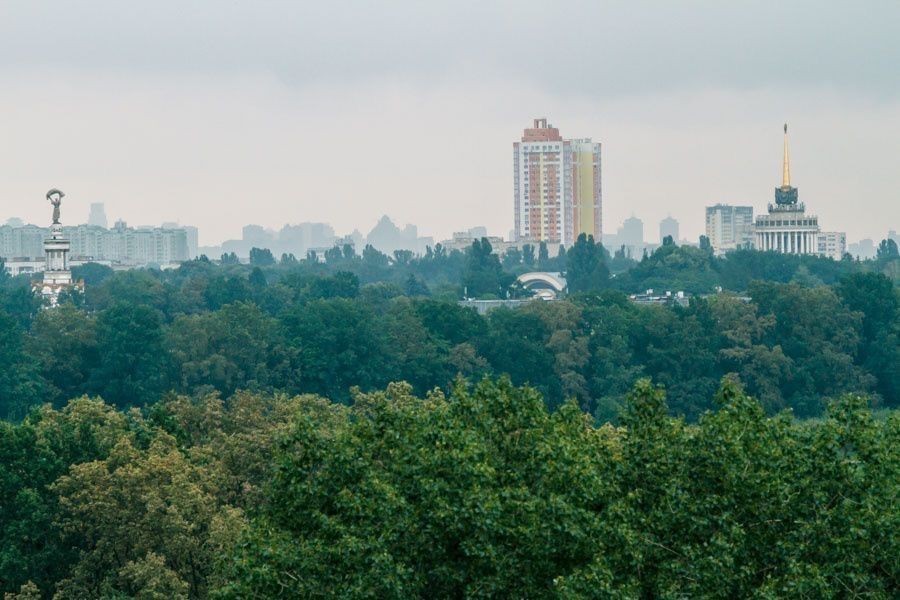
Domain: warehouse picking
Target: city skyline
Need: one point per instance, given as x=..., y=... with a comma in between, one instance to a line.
x=337, y=122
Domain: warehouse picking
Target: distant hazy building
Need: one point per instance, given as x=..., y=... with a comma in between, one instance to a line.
x=863, y=249
x=291, y=239
x=632, y=232
x=556, y=186
x=24, y=241
x=387, y=237
x=832, y=244
x=97, y=216
x=630, y=236
x=463, y=240
x=120, y=245
x=668, y=227
x=729, y=227
x=787, y=228
x=192, y=234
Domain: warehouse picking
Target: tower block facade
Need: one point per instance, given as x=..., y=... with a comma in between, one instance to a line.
x=556, y=186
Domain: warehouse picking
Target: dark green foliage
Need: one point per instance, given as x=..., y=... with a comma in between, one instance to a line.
x=875, y=297
x=20, y=384
x=486, y=494
x=833, y=329
x=132, y=365
x=338, y=346
x=483, y=275
x=586, y=266
x=887, y=250
x=93, y=274
x=261, y=257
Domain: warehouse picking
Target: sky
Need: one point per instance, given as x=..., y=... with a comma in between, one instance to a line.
x=223, y=113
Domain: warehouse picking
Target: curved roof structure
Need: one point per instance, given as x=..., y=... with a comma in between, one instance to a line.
x=542, y=280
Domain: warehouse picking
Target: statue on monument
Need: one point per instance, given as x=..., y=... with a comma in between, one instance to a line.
x=55, y=197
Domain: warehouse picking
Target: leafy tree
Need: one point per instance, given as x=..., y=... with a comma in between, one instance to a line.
x=543, y=256
x=261, y=257
x=133, y=365
x=876, y=298
x=822, y=338
x=887, y=250
x=373, y=257
x=483, y=273
x=143, y=519
x=587, y=270
x=257, y=279
x=512, y=258
x=342, y=284
x=93, y=274
x=223, y=290
x=533, y=361
x=20, y=382
x=235, y=347
x=135, y=287
x=339, y=346
x=439, y=528
x=402, y=258
x=528, y=255
x=64, y=343
x=415, y=287
x=334, y=256
x=33, y=455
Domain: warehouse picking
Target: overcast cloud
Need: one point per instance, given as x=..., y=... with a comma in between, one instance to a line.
x=225, y=113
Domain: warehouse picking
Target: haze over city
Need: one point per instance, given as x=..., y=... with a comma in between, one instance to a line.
x=273, y=113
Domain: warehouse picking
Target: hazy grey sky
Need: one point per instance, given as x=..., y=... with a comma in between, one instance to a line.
x=222, y=113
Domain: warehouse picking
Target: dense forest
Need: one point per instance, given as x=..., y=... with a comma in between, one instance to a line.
x=795, y=330
x=241, y=430
x=482, y=493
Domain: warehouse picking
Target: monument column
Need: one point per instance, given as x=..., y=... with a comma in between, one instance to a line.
x=57, y=276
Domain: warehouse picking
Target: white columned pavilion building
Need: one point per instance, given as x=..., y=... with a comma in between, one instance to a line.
x=787, y=228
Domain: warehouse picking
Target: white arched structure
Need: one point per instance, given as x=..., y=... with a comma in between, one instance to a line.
x=541, y=282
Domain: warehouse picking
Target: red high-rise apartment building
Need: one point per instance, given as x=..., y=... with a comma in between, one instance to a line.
x=557, y=186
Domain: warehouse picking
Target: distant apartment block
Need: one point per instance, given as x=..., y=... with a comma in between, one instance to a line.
x=832, y=244
x=121, y=245
x=97, y=216
x=729, y=227
x=463, y=240
x=629, y=238
x=556, y=187
x=668, y=227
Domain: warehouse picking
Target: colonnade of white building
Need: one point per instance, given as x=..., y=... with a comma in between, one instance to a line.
x=788, y=242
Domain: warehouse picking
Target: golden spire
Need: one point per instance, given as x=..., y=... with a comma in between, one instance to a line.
x=786, y=174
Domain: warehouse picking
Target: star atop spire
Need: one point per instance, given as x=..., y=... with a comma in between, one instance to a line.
x=786, y=194
x=786, y=167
